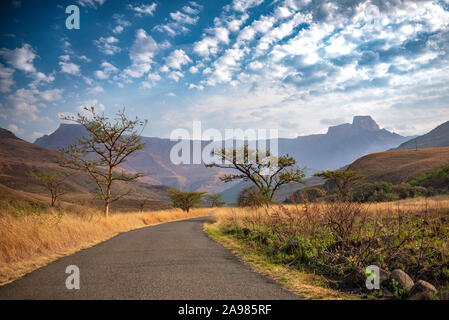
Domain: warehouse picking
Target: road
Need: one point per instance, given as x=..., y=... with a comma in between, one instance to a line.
x=175, y=260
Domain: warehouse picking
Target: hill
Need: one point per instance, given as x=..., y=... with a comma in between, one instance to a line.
x=438, y=137
x=341, y=145
x=154, y=160
x=398, y=166
x=17, y=157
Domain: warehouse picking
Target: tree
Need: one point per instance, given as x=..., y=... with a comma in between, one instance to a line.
x=267, y=172
x=107, y=145
x=54, y=182
x=184, y=200
x=214, y=200
x=343, y=181
x=142, y=204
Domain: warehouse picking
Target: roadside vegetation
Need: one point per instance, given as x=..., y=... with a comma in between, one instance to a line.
x=339, y=240
x=340, y=228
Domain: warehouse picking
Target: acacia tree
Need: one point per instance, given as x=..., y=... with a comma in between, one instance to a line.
x=214, y=200
x=184, y=200
x=54, y=182
x=107, y=145
x=267, y=172
x=342, y=179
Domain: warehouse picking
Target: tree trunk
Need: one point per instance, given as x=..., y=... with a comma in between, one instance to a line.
x=106, y=208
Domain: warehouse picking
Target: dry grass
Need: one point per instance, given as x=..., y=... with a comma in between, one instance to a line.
x=398, y=166
x=29, y=241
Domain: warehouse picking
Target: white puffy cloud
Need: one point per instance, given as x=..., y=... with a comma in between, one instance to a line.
x=95, y=90
x=6, y=79
x=144, y=9
x=107, y=70
x=121, y=23
x=15, y=129
x=91, y=3
x=141, y=54
x=179, y=19
x=51, y=95
x=70, y=68
x=106, y=45
x=177, y=59
x=20, y=58
x=243, y=5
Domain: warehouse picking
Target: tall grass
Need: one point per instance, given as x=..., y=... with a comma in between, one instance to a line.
x=30, y=238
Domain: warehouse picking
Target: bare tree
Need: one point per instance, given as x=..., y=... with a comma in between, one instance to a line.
x=54, y=182
x=107, y=145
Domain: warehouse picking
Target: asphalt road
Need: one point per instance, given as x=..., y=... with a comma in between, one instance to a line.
x=174, y=260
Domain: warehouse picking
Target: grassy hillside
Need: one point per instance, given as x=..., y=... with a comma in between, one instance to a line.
x=17, y=157
x=398, y=166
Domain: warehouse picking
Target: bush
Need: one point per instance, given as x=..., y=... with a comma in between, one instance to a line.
x=307, y=195
x=251, y=197
x=374, y=192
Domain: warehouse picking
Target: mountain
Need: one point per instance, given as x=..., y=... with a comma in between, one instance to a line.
x=438, y=137
x=17, y=157
x=154, y=160
x=398, y=166
x=341, y=145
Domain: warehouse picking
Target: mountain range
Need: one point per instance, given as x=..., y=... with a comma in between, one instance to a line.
x=18, y=157
x=341, y=145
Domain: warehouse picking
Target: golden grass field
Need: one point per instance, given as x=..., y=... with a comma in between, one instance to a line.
x=31, y=241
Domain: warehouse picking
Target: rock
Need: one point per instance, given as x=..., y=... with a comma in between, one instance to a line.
x=356, y=277
x=403, y=279
x=422, y=290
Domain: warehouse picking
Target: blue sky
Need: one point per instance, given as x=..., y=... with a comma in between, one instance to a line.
x=295, y=65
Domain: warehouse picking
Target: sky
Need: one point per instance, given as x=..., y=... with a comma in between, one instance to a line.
x=298, y=66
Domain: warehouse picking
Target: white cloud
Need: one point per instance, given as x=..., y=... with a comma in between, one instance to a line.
x=143, y=48
x=70, y=68
x=91, y=3
x=175, y=75
x=20, y=58
x=6, y=79
x=180, y=17
x=177, y=59
x=121, y=22
x=107, y=70
x=193, y=69
x=51, y=95
x=141, y=54
x=95, y=90
x=144, y=9
x=106, y=45
x=243, y=5
x=15, y=129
